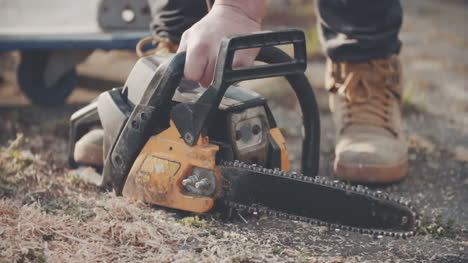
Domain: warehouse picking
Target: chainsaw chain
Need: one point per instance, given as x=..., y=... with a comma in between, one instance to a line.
x=362, y=190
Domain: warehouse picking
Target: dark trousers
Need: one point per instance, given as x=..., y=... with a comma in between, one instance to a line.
x=350, y=30
x=172, y=17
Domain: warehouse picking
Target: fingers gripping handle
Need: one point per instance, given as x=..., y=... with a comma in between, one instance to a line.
x=191, y=118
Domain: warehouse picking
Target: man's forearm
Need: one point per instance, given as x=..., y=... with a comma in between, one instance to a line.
x=252, y=9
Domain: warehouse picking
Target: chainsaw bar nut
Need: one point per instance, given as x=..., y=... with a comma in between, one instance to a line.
x=201, y=182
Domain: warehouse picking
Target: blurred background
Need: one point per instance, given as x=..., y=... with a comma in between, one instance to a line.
x=433, y=34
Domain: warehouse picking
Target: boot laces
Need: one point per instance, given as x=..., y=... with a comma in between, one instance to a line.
x=161, y=45
x=368, y=89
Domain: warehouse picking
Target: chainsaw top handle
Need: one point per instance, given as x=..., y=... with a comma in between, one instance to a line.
x=192, y=118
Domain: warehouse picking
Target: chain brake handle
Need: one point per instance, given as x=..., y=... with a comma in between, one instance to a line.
x=191, y=118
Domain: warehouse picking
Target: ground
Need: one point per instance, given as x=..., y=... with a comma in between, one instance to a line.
x=49, y=214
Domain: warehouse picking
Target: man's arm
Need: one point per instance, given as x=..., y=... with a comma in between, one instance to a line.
x=202, y=40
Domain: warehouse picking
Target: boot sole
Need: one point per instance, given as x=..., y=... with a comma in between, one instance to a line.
x=88, y=154
x=372, y=173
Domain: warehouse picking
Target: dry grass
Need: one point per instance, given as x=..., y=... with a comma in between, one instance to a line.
x=47, y=215
x=118, y=232
x=122, y=232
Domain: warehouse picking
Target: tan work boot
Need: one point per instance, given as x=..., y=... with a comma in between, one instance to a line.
x=365, y=102
x=89, y=148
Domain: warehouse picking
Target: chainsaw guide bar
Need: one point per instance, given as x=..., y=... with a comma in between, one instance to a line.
x=316, y=200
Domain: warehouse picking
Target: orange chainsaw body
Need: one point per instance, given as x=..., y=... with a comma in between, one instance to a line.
x=156, y=177
x=166, y=160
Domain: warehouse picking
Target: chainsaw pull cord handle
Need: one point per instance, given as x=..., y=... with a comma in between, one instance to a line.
x=192, y=118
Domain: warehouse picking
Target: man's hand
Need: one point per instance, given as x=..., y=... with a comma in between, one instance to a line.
x=202, y=40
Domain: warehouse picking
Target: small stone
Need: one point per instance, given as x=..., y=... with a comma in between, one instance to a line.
x=460, y=153
x=420, y=142
x=88, y=175
x=290, y=252
x=185, y=246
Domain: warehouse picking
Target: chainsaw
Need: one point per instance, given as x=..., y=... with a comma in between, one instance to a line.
x=171, y=143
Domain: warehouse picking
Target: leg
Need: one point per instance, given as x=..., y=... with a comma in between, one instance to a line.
x=359, y=30
x=360, y=38
x=172, y=17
